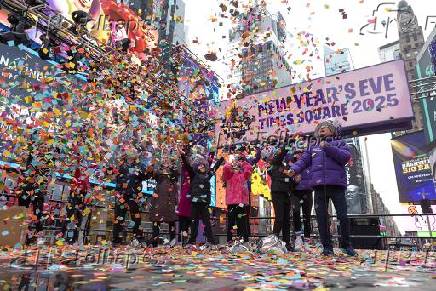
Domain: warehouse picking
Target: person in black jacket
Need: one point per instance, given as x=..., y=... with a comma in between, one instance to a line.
x=281, y=186
x=163, y=203
x=32, y=193
x=129, y=187
x=200, y=174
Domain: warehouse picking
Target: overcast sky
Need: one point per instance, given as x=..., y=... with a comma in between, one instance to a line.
x=327, y=23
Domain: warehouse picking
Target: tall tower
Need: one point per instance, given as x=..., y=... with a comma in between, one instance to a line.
x=255, y=54
x=411, y=41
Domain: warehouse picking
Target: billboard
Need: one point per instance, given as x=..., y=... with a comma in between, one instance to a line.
x=426, y=68
x=412, y=168
x=19, y=64
x=104, y=16
x=367, y=100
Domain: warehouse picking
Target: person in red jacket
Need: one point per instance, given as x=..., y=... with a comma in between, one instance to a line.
x=236, y=175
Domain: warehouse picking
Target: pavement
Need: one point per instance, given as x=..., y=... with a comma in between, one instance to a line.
x=99, y=268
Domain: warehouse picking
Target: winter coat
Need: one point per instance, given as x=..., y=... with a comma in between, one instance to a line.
x=305, y=182
x=184, y=206
x=237, y=190
x=200, y=182
x=327, y=165
x=129, y=181
x=279, y=181
x=163, y=202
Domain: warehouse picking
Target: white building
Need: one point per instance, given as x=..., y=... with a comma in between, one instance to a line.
x=337, y=61
x=389, y=52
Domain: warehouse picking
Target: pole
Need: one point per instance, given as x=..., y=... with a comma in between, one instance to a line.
x=368, y=179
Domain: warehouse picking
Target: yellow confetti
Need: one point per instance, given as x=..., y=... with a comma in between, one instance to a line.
x=28, y=99
x=59, y=243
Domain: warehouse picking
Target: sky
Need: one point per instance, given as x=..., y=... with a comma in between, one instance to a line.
x=330, y=21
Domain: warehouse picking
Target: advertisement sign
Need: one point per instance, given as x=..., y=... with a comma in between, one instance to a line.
x=21, y=63
x=412, y=168
x=425, y=68
x=363, y=101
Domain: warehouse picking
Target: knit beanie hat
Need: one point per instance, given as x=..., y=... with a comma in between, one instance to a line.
x=332, y=124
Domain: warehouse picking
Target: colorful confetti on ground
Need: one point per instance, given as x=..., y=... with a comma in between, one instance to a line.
x=211, y=269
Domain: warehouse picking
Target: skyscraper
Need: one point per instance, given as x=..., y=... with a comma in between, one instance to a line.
x=256, y=56
x=411, y=40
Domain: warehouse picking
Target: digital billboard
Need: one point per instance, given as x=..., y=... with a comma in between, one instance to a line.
x=412, y=168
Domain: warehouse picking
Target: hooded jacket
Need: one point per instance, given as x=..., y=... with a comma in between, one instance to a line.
x=279, y=181
x=163, y=204
x=326, y=165
x=237, y=190
x=200, y=182
x=305, y=183
x=184, y=206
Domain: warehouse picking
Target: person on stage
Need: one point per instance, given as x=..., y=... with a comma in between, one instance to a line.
x=281, y=187
x=163, y=201
x=303, y=200
x=200, y=173
x=236, y=174
x=327, y=160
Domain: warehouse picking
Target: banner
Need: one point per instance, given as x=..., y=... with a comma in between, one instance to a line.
x=412, y=168
x=363, y=101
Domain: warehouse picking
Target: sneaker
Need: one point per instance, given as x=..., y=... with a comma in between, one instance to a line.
x=328, y=252
x=349, y=252
x=135, y=243
x=298, y=243
x=290, y=248
x=173, y=243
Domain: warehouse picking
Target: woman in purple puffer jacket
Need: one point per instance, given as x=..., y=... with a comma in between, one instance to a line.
x=326, y=161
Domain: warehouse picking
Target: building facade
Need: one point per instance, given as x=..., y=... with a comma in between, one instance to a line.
x=337, y=61
x=411, y=41
x=166, y=15
x=255, y=54
x=387, y=223
x=389, y=52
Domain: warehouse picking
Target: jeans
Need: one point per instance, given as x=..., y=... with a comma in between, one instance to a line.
x=201, y=211
x=303, y=200
x=282, y=209
x=323, y=194
x=238, y=216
